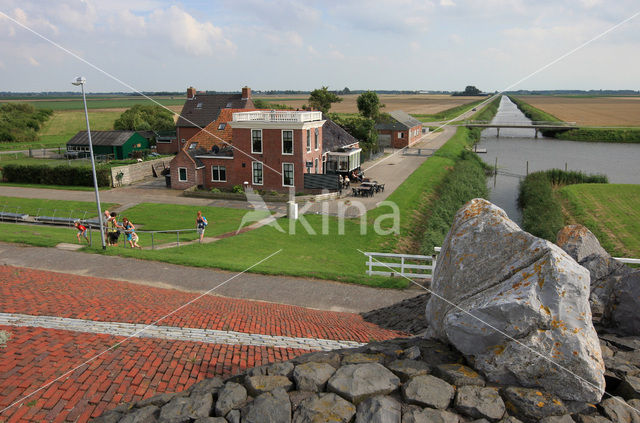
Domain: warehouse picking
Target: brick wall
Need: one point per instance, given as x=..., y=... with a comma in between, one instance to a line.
x=137, y=171
x=182, y=159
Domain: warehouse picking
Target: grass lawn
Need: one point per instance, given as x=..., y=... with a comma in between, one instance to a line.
x=65, y=124
x=61, y=208
x=38, y=235
x=610, y=211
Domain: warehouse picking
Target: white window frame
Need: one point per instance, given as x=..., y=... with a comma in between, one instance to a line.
x=292, y=144
x=186, y=174
x=221, y=126
x=225, y=173
x=400, y=135
x=316, y=143
x=293, y=175
x=261, y=142
x=308, y=140
x=253, y=176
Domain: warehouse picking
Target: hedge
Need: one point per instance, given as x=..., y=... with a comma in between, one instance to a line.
x=541, y=210
x=55, y=175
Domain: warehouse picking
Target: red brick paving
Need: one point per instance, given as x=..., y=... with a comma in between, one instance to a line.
x=140, y=367
x=37, y=292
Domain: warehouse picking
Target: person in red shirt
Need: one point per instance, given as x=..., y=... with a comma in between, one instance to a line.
x=82, y=231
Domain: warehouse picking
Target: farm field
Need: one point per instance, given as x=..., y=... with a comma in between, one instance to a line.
x=590, y=111
x=410, y=103
x=610, y=211
x=75, y=103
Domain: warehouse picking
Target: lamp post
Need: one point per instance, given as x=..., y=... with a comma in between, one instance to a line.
x=81, y=81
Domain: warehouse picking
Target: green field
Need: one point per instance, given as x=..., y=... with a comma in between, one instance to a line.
x=610, y=211
x=59, y=208
x=72, y=103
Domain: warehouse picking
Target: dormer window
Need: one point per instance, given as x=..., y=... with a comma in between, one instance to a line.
x=193, y=145
x=199, y=106
x=222, y=126
x=228, y=105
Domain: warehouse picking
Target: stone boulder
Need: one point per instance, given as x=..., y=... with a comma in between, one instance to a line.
x=517, y=305
x=583, y=246
x=624, y=305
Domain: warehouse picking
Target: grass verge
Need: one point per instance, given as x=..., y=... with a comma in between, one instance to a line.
x=610, y=211
x=447, y=114
x=61, y=208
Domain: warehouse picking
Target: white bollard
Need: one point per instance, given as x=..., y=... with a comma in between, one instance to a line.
x=292, y=210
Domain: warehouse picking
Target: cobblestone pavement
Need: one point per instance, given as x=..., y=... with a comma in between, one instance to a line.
x=249, y=333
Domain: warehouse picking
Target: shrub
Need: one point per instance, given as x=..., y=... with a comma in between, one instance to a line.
x=214, y=189
x=466, y=181
x=237, y=189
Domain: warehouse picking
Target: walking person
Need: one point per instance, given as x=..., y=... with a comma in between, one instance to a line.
x=82, y=231
x=112, y=229
x=130, y=232
x=201, y=224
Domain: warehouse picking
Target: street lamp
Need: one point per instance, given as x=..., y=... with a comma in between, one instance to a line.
x=81, y=81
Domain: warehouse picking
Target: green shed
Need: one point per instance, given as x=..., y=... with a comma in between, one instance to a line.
x=116, y=144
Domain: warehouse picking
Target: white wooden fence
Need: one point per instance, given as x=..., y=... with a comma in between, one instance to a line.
x=417, y=266
x=408, y=265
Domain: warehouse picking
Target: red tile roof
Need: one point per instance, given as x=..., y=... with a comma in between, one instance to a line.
x=211, y=135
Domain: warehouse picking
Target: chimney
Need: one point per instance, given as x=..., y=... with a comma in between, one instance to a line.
x=191, y=92
x=246, y=93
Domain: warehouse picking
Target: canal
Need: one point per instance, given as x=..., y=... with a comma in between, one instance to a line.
x=517, y=147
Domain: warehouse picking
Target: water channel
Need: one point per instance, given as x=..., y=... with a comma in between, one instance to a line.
x=515, y=147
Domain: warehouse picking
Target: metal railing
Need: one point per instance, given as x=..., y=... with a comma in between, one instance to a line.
x=406, y=265
x=277, y=116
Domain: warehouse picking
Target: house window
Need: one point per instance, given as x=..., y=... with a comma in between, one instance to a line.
x=193, y=145
x=218, y=174
x=316, y=165
x=316, y=140
x=287, y=174
x=228, y=105
x=222, y=126
x=199, y=106
x=182, y=174
x=257, y=173
x=308, y=140
x=256, y=141
x=287, y=142
x=400, y=134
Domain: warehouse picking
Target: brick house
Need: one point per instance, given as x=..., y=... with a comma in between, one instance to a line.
x=398, y=129
x=200, y=110
x=269, y=150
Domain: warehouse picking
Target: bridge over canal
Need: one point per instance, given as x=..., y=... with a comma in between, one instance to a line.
x=536, y=125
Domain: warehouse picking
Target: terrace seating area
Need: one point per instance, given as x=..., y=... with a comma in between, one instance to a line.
x=367, y=188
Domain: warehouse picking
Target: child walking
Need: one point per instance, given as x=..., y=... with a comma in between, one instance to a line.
x=82, y=231
x=130, y=232
x=201, y=224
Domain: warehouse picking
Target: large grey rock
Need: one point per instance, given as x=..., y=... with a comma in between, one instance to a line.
x=406, y=369
x=270, y=407
x=148, y=414
x=558, y=419
x=629, y=388
x=583, y=246
x=357, y=382
x=183, y=409
x=428, y=391
x=378, y=409
x=503, y=284
x=212, y=385
x=324, y=408
x=429, y=415
x=359, y=358
x=617, y=410
x=257, y=385
x=230, y=397
x=530, y=405
x=319, y=357
x=479, y=402
x=625, y=303
x=312, y=376
x=211, y=420
x=458, y=375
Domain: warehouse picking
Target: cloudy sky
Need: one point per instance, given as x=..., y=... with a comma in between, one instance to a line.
x=155, y=45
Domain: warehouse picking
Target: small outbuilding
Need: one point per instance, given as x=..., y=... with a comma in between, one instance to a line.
x=398, y=129
x=113, y=144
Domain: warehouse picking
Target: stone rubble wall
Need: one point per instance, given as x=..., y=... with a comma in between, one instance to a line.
x=137, y=171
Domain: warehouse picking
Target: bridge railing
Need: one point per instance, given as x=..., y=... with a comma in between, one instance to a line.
x=532, y=123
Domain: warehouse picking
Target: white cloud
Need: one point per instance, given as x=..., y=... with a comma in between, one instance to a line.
x=32, y=61
x=447, y=3
x=185, y=32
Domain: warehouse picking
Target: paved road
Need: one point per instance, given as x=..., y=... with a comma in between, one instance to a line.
x=311, y=293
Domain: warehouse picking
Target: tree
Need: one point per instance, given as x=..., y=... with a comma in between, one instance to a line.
x=144, y=118
x=362, y=128
x=471, y=90
x=322, y=99
x=369, y=104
